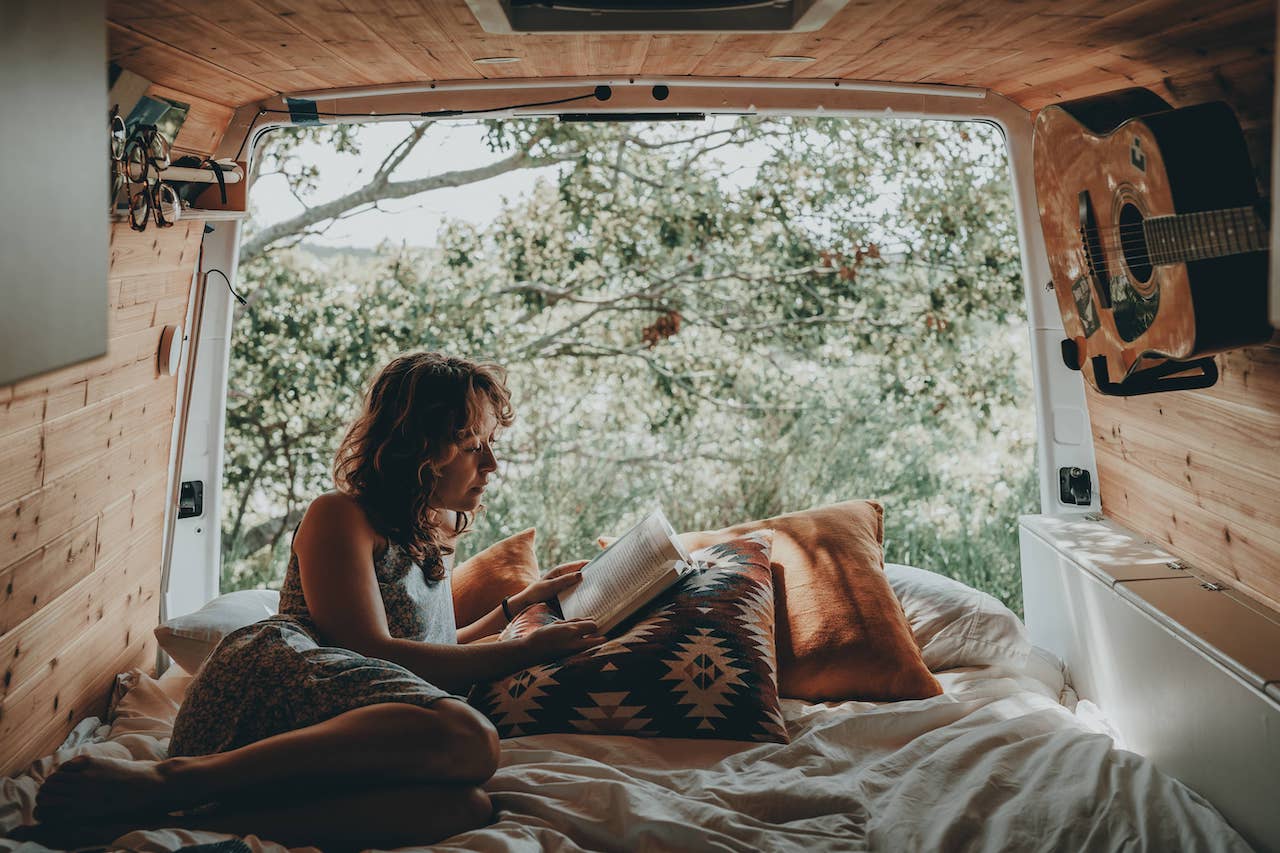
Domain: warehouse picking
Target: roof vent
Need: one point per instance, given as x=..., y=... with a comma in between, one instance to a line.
x=655, y=16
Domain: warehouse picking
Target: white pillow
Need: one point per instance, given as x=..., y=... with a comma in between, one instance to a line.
x=192, y=638
x=957, y=625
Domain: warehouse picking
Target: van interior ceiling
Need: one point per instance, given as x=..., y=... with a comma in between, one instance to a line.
x=1153, y=568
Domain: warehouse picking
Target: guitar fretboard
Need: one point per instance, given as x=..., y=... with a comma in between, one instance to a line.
x=1207, y=234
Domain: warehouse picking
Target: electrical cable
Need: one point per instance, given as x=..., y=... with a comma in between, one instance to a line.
x=600, y=93
x=240, y=298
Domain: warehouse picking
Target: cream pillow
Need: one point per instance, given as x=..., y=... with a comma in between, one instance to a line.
x=956, y=625
x=192, y=638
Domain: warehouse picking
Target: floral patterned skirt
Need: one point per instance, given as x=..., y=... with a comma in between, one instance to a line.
x=273, y=677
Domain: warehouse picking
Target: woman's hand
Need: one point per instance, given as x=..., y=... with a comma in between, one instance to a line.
x=557, y=580
x=560, y=639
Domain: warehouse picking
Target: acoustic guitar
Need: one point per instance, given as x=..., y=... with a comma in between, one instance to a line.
x=1156, y=238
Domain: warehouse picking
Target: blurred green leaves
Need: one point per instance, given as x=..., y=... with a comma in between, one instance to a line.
x=738, y=319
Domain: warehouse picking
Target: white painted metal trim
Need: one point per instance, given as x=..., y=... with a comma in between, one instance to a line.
x=191, y=576
x=500, y=85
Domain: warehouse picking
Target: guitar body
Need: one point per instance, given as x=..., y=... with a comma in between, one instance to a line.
x=1134, y=293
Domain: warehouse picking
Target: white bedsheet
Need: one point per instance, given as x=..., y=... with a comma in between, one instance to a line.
x=1002, y=761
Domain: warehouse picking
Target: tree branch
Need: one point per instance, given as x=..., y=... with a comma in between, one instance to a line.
x=381, y=189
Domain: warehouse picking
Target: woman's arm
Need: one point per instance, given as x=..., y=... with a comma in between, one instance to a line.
x=335, y=547
x=556, y=581
x=491, y=623
x=456, y=668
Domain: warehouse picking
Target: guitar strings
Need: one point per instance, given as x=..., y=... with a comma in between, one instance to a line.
x=1140, y=259
x=1134, y=229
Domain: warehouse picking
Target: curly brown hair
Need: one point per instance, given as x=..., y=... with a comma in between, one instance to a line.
x=416, y=410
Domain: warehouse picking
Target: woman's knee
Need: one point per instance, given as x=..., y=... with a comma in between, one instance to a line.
x=469, y=740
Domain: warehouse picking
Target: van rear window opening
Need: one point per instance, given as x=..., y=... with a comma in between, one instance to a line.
x=732, y=318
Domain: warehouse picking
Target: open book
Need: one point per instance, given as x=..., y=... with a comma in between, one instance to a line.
x=627, y=575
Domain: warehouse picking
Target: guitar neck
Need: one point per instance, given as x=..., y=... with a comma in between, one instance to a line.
x=1206, y=234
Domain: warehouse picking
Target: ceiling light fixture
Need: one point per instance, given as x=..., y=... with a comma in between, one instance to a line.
x=495, y=60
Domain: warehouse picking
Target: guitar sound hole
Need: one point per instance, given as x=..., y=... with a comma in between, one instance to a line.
x=1133, y=244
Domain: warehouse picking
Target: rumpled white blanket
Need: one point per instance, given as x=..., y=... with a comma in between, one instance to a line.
x=1003, y=760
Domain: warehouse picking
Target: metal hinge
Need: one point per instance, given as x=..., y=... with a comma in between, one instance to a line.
x=1213, y=587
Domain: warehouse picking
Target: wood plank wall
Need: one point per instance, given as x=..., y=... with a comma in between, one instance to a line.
x=84, y=459
x=1199, y=471
x=84, y=467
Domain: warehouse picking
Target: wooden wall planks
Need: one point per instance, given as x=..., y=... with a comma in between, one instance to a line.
x=1033, y=51
x=1199, y=471
x=205, y=123
x=84, y=458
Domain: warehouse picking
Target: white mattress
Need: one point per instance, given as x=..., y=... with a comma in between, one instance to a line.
x=1003, y=760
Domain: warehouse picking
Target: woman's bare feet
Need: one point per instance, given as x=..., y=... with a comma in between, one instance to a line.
x=92, y=787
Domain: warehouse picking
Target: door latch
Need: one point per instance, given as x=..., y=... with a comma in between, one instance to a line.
x=191, y=499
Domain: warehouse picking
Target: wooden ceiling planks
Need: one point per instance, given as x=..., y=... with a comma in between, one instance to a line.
x=176, y=69
x=1033, y=51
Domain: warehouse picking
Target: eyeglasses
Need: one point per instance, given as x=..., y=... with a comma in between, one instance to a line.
x=139, y=159
x=119, y=139
x=147, y=149
x=157, y=201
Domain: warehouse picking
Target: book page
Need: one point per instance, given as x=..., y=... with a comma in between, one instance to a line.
x=611, y=580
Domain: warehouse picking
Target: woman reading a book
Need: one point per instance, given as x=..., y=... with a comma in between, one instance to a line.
x=339, y=721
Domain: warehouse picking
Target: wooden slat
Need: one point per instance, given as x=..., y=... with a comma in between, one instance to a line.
x=180, y=70
x=204, y=125
x=33, y=582
x=65, y=400
x=35, y=722
x=21, y=463
x=75, y=680
x=171, y=311
x=1223, y=429
x=122, y=352
x=154, y=251
x=148, y=289
x=119, y=528
x=1211, y=541
x=345, y=34
x=20, y=413
x=1233, y=486
x=82, y=438
x=30, y=650
x=36, y=519
x=1200, y=470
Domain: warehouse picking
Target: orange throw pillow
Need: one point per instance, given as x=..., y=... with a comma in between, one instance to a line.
x=502, y=569
x=841, y=632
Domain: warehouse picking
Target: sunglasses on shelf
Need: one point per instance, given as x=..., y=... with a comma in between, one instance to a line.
x=145, y=151
x=154, y=201
x=139, y=158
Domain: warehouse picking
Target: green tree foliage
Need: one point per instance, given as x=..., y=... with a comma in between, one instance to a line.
x=735, y=319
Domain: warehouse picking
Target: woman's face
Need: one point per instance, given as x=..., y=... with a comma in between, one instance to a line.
x=461, y=482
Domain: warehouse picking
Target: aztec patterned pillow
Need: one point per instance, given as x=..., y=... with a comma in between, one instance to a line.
x=697, y=662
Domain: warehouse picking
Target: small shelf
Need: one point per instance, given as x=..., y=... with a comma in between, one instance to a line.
x=191, y=213
x=184, y=175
